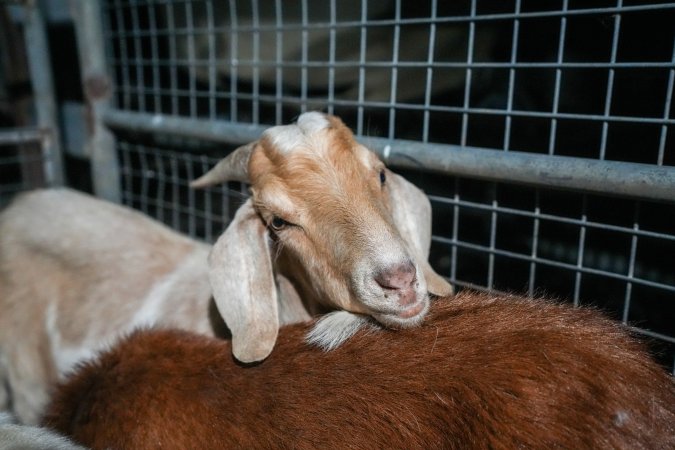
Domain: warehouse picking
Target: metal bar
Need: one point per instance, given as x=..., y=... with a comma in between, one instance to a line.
x=666, y=108
x=553, y=218
x=558, y=80
x=394, y=73
x=39, y=65
x=100, y=143
x=173, y=68
x=23, y=136
x=430, y=73
x=234, y=62
x=552, y=263
x=610, y=82
x=550, y=171
x=363, y=36
x=123, y=60
x=467, y=79
x=512, y=80
x=535, y=246
x=211, y=61
x=493, y=237
x=138, y=57
x=279, y=58
x=331, y=57
x=192, y=58
x=420, y=64
x=631, y=266
x=451, y=109
x=152, y=22
x=580, y=253
x=451, y=19
x=455, y=234
x=255, y=106
x=304, y=58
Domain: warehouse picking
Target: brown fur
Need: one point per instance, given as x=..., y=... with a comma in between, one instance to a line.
x=481, y=372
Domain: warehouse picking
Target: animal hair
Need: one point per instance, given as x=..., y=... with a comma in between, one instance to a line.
x=483, y=371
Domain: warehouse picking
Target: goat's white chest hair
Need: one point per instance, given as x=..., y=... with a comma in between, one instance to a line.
x=287, y=138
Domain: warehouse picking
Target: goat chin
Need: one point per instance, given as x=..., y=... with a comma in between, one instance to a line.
x=480, y=372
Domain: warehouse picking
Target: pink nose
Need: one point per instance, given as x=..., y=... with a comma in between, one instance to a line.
x=400, y=279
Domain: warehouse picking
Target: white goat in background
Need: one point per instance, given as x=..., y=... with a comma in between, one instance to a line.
x=327, y=227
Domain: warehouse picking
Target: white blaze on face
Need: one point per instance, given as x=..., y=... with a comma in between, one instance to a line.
x=287, y=138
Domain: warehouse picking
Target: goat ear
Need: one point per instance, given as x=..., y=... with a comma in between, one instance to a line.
x=411, y=211
x=240, y=272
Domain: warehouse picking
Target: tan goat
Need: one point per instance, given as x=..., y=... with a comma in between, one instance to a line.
x=327, y=227
x=349, y=233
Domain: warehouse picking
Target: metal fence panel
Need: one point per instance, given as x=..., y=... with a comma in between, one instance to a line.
x=30, y=144
x=542, y=130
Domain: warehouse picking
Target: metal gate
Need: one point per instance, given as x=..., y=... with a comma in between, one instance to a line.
x=541, y=130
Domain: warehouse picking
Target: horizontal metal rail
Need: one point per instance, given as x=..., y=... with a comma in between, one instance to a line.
x=298, y=26
x=15, y=136
x=589, y=175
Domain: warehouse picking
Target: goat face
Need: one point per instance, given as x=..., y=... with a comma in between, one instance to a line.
x=330, y=218
x=327, y=201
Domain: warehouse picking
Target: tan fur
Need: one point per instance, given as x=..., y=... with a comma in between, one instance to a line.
x=481, y=372
x=64, y=260
x=354, y=236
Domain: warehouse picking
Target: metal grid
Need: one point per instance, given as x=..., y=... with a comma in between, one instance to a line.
x=523, y=120
x=30, y=151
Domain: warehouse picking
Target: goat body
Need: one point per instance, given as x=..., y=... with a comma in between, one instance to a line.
x=66, y=260
x=78, y=272
x=481, y=372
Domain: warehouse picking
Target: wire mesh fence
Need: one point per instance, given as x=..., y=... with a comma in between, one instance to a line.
x=591, y=81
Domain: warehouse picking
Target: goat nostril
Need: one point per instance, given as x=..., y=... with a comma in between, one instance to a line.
x=400, y=276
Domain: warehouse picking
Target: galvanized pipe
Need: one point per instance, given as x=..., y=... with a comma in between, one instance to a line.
x=100, y=143
x=589, y=175
x=37, y=51
x=17, y=136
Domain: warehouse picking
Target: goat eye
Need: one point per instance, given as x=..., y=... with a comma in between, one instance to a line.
x=278, y=223
x=383, y=177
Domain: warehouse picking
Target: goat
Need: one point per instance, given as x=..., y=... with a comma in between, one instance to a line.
x=65, y=258
x=483, y=371
x=327, y=227
x=349, y=233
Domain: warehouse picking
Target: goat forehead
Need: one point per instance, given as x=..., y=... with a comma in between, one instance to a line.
x=298, y=136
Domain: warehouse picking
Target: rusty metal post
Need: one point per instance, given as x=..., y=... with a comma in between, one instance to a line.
x=96, y=83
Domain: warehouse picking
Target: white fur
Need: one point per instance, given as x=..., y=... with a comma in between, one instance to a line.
x=23, y=437
x=335, y=328
x=289, y=138
x=98, y=270
x=311, y=122
x=64, y=356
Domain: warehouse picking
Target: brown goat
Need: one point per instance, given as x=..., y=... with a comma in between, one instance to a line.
x=481, y=372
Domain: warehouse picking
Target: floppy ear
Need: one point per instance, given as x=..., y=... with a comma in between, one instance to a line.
x=240, y=272
x=411, y=211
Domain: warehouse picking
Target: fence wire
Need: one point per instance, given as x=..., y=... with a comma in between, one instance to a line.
x=589, y=80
